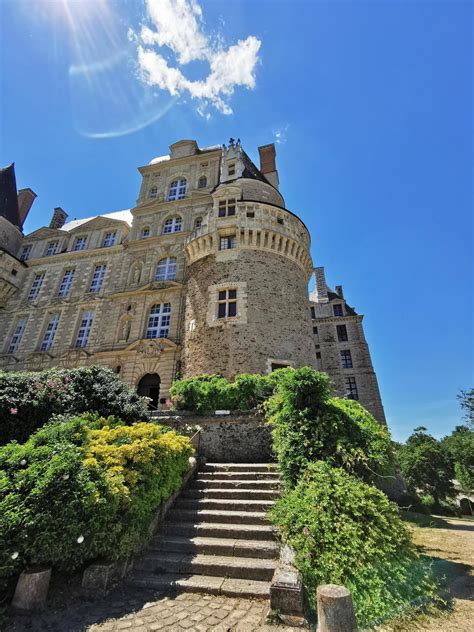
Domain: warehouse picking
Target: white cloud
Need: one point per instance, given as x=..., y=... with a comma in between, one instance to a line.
x=281, y=134
x=178, y=26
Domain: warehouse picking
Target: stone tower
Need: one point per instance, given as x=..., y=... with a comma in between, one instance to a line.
x=248, y=270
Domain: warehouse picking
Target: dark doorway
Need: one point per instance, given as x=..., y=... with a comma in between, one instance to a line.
x=149, y=386
x=276, y=366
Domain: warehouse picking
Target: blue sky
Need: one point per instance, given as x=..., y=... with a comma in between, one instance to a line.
x=370, y=106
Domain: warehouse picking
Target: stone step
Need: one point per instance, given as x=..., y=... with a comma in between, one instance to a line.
x=237, y=494
x=263, y=549
x=209, y=565
x=244, y=588
x=216, y=515
x=222, y=475
x=200, y=482
x=239, y=467
x=224, y=504
x=219, y=530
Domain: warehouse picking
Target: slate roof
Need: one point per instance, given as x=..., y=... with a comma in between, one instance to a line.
x=122, y=216
x=9, y=196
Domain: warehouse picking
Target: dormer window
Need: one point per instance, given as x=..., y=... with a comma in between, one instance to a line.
x=337, y=308
x=109, y=240
x=177, y=190
x=227, y=207
x=153, y=193
x=231, y=169
x=25, y=252
x=79, y=243
x=145, y=233
x=202, y=182
x=52, y=248
x=173, y=225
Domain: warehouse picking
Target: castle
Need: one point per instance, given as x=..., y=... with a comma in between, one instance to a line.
x=208, y=273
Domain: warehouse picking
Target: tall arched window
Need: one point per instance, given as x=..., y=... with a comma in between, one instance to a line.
x=159, y=321
x=166, y=269
x=173, y=225
x=177, y=190
x=153, y=193
x=202, y=182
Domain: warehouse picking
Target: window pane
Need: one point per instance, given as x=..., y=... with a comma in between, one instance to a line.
x=232, y=294
x=222, y=295
x=233, y=309
x=221, y=310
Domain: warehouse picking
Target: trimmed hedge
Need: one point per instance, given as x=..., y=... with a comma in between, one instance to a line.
x=347, y=532
x=29, y=400
x=84, y=488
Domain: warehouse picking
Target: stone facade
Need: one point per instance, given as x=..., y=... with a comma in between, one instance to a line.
x=208, y=273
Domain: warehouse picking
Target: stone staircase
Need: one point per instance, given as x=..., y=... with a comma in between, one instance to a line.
x=216, y=537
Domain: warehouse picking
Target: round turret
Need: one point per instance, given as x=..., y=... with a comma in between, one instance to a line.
x=247, y=301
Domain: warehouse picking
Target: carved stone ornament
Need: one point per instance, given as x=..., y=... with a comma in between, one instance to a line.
x=38, y=360
x=150, y=348
x=71, y=358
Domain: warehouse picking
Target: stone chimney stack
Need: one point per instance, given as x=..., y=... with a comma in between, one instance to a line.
x=268, y=163
x=339, y=291
x=26, y=197
x=59, y=218
x=320, y=292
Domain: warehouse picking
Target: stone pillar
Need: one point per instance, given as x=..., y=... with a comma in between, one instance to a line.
x=335, y=609
x=31, y=590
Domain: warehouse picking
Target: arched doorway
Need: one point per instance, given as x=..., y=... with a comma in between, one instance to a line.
x=149, y=386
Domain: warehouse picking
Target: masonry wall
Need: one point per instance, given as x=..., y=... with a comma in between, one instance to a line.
x=272, y=324
x=236, y=438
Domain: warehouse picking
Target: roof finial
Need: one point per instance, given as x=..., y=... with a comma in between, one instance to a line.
x=231, y=141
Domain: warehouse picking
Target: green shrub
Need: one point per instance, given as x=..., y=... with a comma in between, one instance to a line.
x=347, y=532
x=206, y=393
x=29, y=400
x=309, y=425
x=84, y=488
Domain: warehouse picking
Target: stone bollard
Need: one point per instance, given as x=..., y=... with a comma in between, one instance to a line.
x=31, y=590
x=335, y=609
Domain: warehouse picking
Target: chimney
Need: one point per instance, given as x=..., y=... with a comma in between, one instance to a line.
x=26, y=197
x=339, y=291
x=59, y=218
x=320, y=292
x=268, y=163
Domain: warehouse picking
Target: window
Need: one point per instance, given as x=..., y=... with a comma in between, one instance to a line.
x=228, y=242
x=202, y=182
x=280, y=220
x=227, y=304
x=351, y=388
x=251, y=214
x=79, y=243
x=313, y=313
x=231, y=169
x=84, y=329
x=159, y=321
x=173, y=225
x=66, y=283
x=25, y=252
x=177, y=190
x=342, y=333
x=153, y=193
x=97, y=278
x=51, y=249
x=198, y=223
x=145, y=233
x=109, y=240
x=166, y=269
x=318, y=355
x=337, y=309
x=50, y=333
x=227, y=208
x=36, y=286
x=346, y=359
x=17, y=335
x=315, y=331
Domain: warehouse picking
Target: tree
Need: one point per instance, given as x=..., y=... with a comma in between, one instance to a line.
x=466, y=399
x=427, y=466
x=460, y=446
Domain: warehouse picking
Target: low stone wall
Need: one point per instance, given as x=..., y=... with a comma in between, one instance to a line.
x=239, y=437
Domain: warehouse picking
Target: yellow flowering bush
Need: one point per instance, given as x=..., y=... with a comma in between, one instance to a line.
x=84, y=488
